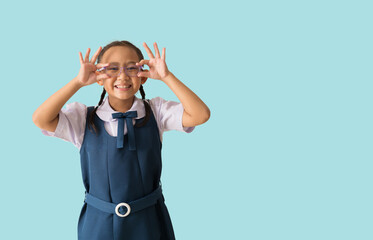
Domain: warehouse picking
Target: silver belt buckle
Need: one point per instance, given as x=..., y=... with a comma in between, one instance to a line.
x=120, y=205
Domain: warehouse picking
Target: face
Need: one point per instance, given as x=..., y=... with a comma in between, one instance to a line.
x=121, y=89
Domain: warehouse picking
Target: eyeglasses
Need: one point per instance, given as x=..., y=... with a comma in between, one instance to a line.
x=115, y=71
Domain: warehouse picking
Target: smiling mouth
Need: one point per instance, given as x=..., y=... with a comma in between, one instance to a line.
x=123, y=86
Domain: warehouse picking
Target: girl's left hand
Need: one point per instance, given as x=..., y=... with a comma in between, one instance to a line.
x=157, y=65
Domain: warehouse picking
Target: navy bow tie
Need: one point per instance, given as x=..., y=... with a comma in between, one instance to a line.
x=130, y=129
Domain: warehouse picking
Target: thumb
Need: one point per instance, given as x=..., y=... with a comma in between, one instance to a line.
x=144, y=73
x=102, y=76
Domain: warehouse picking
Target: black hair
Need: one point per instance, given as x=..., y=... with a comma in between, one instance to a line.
x=142, y=92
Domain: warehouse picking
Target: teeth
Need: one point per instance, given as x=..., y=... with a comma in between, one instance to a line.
x=123, y=86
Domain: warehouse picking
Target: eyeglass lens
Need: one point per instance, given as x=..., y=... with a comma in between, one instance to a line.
x=130, y=70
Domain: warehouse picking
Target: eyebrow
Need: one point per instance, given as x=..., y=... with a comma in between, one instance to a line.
x=117, y=63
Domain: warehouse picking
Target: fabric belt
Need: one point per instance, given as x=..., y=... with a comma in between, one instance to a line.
x=132, y=206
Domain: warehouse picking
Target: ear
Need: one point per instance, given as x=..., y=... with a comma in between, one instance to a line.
x=100, y=79
x=100, y=82
x=143, y=79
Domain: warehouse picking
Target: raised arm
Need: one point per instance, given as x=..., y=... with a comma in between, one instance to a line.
x=195, y=110
x=46, y=115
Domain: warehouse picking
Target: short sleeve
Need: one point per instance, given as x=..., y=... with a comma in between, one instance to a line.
x=169, y=115
x=71, y=124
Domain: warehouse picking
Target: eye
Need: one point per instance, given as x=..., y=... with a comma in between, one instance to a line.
x=132, y=68
x=113, y=68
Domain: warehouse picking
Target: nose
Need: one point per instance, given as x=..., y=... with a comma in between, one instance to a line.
x=122, y=74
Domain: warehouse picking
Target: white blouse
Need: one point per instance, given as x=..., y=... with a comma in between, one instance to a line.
x=72, y=119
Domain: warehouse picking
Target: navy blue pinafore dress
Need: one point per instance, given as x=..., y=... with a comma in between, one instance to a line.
x=116, y=174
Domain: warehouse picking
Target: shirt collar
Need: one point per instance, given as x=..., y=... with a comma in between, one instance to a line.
x=104, y=111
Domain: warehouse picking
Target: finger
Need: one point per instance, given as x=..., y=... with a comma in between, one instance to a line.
x=147, y=49
x=101, y=65
x=142, y=62
x=163, y=54
x=102, y=76
x=93, y=60
x=81, y=58
x=144, y=73
x=157, y=55
x=86, y=59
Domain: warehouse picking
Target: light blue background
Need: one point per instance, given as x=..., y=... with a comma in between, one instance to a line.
x=286, y=154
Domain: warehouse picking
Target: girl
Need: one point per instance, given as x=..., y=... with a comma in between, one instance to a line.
x=120, y=140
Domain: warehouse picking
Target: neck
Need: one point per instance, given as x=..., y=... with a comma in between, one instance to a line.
x=121, y=105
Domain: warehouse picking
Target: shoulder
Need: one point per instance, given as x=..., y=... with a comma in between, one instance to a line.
x=71, y=123
x=162, y=107
x=75, y=111
x=76, y=107
x=168, y=114
x=158, y=103
x=155, y=104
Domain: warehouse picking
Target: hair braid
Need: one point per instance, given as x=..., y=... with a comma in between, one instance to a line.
x=142, y=92
x=91, y=122
x=147, y=108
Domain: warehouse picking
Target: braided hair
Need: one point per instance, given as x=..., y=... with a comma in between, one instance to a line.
x=142, y=92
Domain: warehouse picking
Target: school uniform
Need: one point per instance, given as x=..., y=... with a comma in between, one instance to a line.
x=121, y=174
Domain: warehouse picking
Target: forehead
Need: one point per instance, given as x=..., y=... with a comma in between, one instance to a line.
x=120, y=54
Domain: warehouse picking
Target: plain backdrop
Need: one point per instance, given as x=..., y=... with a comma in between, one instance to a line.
x=286, y=154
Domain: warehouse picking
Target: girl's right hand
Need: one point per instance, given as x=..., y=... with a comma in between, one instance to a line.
x=87, y=74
